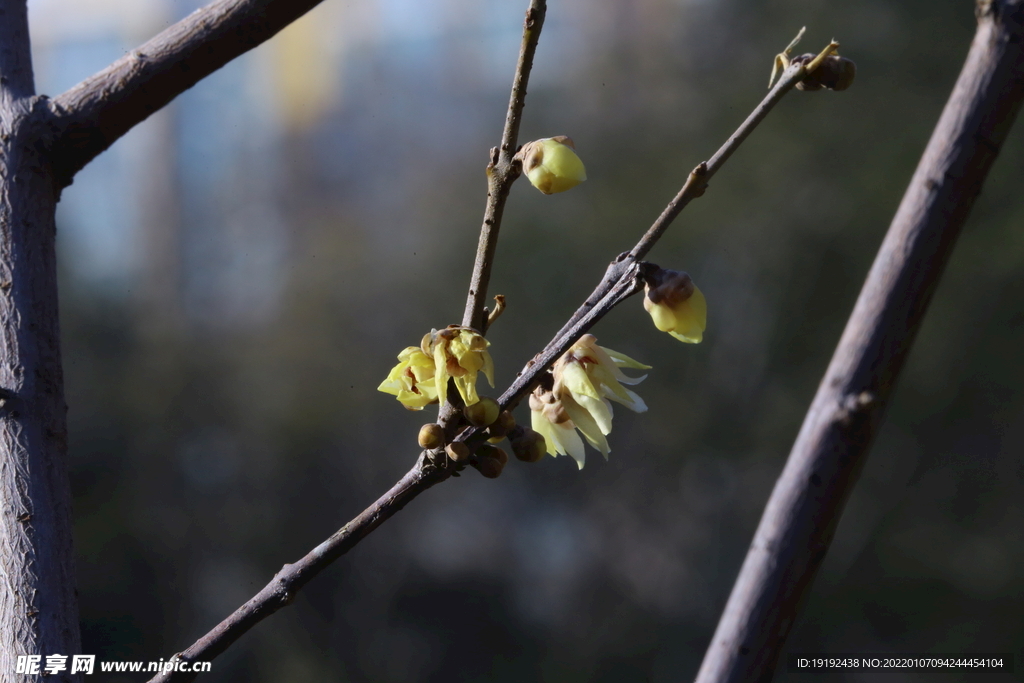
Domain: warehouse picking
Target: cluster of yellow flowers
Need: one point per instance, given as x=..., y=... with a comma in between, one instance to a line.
x=421, y=376
x=586, y=379
x=577, y=394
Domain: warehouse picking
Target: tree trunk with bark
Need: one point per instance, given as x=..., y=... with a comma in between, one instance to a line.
x=43, y=143
x=38, y=607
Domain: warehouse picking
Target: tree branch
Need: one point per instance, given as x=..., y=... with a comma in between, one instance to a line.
x=695, y=186
x=502, y=170
x=800, y=519
x=92, y=115
x=286, y=583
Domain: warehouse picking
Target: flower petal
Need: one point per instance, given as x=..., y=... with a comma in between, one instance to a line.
x=574, y=378
x=624, y=361
x=597, y=410
x=664, y=317
x=632, y=401
x=467, y=388
x=488, y=368
x=691, y=317
x=441, y=374
x=573, y=445
x=587, y=425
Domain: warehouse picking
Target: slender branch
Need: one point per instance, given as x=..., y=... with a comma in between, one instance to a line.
x=92, y=115
x=800, y=519
x=503, y=170
x=286, y=583
x=629, y=283
x=695, y=186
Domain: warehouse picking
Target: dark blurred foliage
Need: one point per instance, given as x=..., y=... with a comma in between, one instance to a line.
x=213, y=441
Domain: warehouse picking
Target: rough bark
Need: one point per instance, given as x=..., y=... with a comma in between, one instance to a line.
x=42, y=145
x=38, y=609
x=800, y=519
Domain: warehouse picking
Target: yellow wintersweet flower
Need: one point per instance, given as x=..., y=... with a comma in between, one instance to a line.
x=549, y=419
x=459, y=353
x=412, y=380
x=676, y=305
x=552, y=165
x=586, y=379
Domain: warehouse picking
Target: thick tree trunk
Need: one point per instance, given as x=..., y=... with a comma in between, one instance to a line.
x=38, y=608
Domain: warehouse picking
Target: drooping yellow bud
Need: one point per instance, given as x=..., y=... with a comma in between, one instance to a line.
x=551, y=164
x=676, y=305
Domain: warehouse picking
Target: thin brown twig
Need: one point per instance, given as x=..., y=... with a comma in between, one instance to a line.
x=286, y=583
x=800, y=518
x=623, y=279
x=503, y=170
x=695, y=186
x=89, y=117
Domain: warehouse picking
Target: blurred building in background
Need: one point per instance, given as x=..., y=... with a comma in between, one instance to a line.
x=240, y=270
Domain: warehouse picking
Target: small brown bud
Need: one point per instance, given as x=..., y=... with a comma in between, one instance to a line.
x=488, y=451
x=431, y=436
x=489, y=467
x=457, y=451
x=501, y=427
x=490, y=460
x=482, y=413
x=528, y=445
x=834, y=73
x=506, y=420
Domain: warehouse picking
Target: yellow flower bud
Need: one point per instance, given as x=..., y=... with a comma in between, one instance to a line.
x=552, y=165
x=676, y=305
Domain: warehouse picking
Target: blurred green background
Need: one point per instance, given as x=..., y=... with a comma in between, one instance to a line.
x=240, y=271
